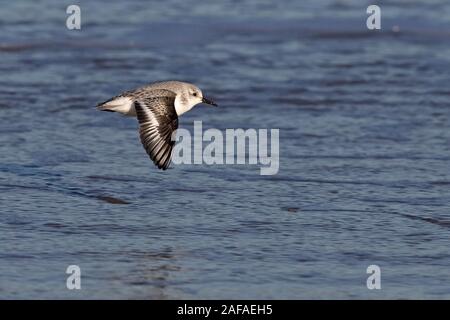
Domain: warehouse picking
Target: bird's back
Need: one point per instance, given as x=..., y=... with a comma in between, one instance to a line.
x=175, y=86
x=123, y=103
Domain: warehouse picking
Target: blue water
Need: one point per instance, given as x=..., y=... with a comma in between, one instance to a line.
x=364, y=173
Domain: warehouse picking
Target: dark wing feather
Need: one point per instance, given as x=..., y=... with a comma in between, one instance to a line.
x=157, y=121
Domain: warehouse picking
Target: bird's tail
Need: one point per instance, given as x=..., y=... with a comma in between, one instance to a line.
x=122, y=105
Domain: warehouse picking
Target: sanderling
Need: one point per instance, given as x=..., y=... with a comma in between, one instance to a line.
x=157, y=107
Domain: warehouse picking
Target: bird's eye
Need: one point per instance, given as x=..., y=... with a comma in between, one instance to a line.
x=195, y=94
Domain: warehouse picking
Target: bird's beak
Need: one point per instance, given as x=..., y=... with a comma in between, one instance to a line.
x=208, y=101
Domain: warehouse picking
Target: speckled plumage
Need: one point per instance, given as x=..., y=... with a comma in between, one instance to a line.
x=157, y=107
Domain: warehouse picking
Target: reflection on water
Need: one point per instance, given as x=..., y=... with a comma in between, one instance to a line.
x=364, y=152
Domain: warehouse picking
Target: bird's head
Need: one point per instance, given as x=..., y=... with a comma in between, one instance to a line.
x=195, y=96
x=189, y=96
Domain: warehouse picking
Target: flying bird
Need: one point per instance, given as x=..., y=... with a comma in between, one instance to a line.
x=157, y=107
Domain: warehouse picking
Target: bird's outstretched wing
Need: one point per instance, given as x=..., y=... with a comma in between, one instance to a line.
x=157, y=121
